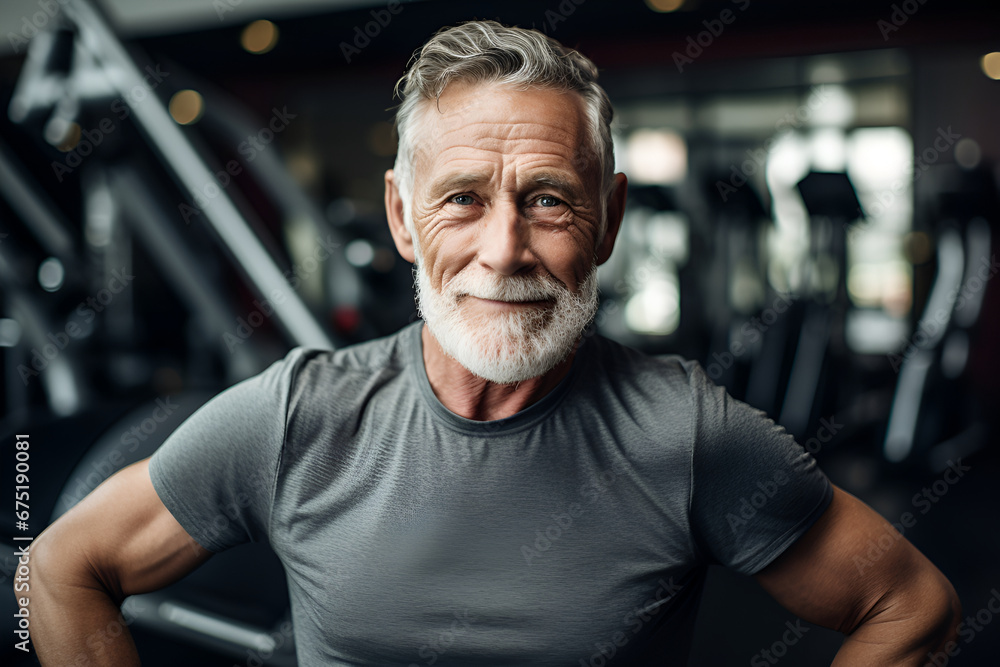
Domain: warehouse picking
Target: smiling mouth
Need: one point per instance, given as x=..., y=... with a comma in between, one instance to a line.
x=511, y=304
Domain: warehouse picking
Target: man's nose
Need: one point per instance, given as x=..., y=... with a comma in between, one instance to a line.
x=504, y=244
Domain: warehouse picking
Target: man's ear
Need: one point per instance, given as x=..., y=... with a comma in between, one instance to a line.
x=394, y=213
x=615, y=211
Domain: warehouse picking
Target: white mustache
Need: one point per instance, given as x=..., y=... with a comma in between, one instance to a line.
x=502, y=288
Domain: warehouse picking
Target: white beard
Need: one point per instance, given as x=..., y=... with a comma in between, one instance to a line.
x=508, y=347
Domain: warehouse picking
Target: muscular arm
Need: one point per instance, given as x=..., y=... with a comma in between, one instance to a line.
x=891, y=602
x=118, y=541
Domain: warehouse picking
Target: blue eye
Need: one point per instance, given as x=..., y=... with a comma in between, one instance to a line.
x=548, y=201
x=463, y=200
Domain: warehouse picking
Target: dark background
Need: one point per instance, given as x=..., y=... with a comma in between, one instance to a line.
x=696, y=270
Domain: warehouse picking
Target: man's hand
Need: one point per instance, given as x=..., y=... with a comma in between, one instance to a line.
x=894, y=609
x=118, y=541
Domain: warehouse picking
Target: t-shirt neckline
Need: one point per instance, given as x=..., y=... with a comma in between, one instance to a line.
x=526, y=418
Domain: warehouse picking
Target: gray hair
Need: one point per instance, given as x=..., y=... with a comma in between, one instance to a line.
x=488, y=52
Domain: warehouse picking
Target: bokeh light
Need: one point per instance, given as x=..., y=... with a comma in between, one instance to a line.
x=186, y=106
x=259, y=37
x=664, y=6
x=991, y=65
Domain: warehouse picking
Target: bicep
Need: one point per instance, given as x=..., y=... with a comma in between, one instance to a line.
x=123, y=536
x=851, y=566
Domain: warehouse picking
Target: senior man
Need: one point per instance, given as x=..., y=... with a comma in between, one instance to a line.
x=489, y=486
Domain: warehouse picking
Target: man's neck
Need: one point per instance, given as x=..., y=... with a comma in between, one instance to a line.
x=472, y=397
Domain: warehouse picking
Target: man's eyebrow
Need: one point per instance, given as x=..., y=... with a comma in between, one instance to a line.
x=566, y=186
x=455, y=182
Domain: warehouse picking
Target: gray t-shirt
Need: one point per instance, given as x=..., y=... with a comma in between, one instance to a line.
x=575, y=532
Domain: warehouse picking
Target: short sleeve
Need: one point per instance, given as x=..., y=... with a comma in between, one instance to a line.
x=216, y=472
x=754, y=490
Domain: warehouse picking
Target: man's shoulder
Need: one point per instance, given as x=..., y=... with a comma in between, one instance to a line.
x=349, y=374
x=658, y=393
x=625, y=363
x=376, y=355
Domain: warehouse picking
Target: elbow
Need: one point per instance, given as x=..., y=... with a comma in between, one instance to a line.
x=54, y=566
x=31, y=562
x=954, y=614
x=943, y=618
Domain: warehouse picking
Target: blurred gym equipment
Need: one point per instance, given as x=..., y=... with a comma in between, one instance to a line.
x=784, y=227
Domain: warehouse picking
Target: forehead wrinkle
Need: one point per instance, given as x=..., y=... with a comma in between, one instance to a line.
x=491, y=154
x=502, y=153
x=496, y=120
x=506, y=144
x=524, y=130
x=483, y=159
